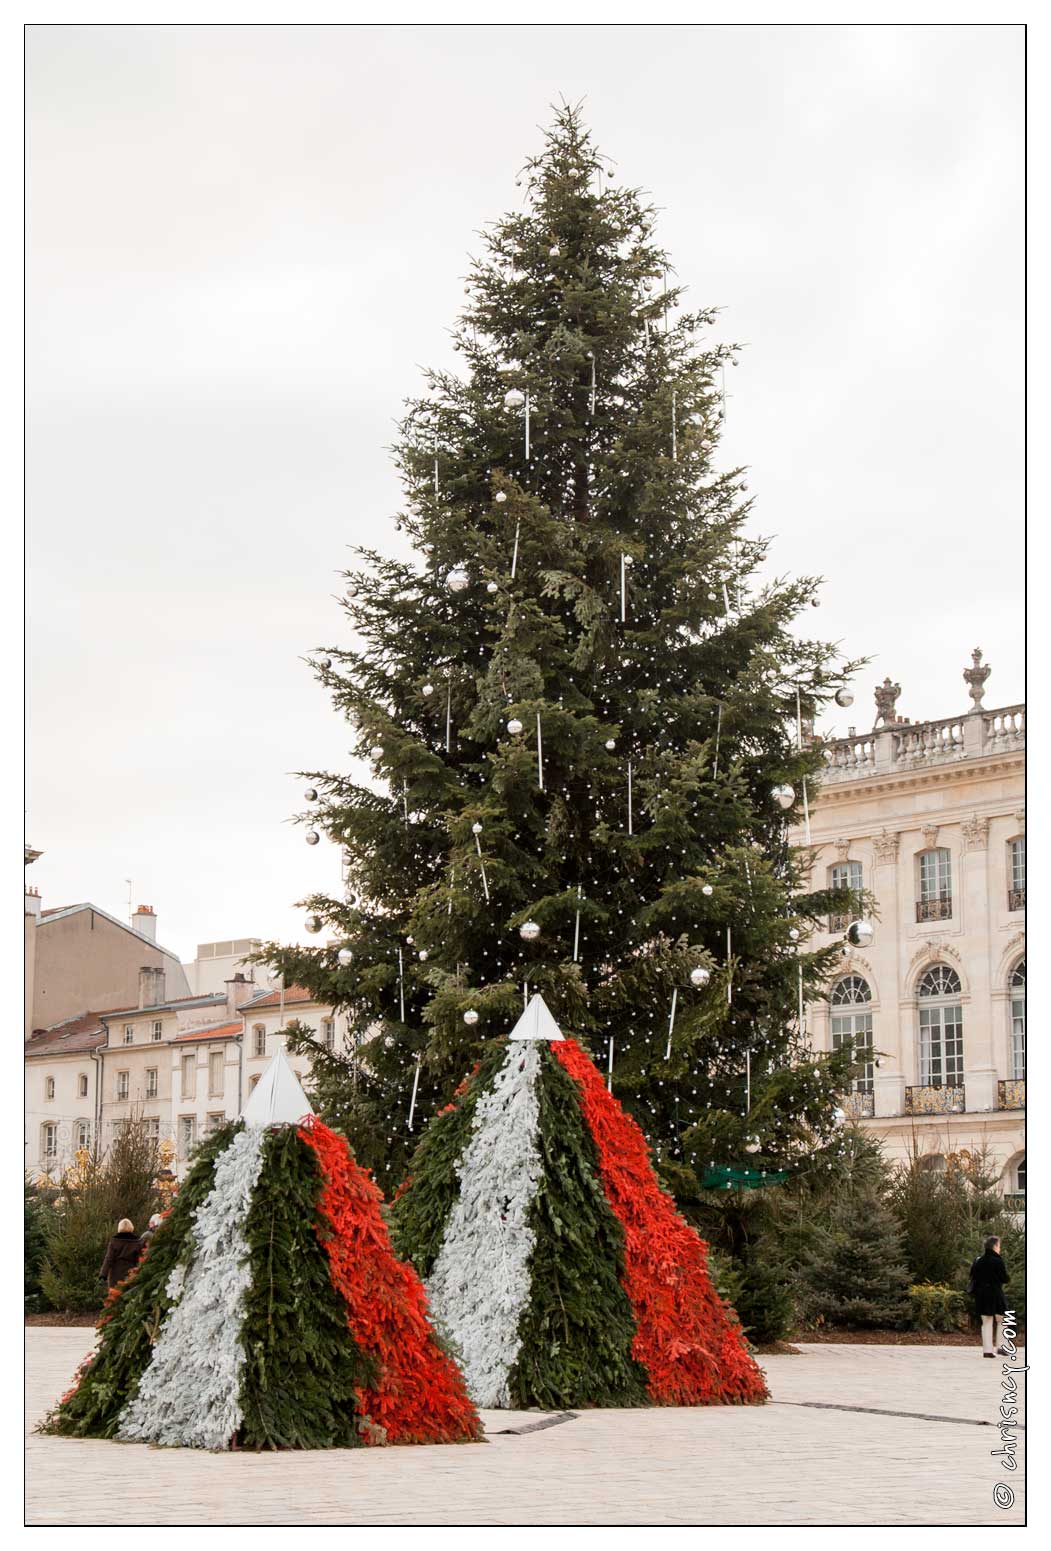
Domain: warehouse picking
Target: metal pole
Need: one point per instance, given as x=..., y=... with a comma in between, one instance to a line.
x=671, y=1020
x=415, y=1085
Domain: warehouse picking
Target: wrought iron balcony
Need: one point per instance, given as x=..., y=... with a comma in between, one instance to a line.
x=934, y=909
x=1016, y=899
x=838, y=923
x=1015, y=1201
x=1011, y=1093
x=933, y=1099
x=859, y=1106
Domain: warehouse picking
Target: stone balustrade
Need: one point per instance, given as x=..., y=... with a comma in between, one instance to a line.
x=899, y=746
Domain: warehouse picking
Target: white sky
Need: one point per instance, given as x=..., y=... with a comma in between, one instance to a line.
x=243, y=242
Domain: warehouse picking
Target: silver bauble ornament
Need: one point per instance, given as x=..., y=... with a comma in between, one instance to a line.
x=611, y=744
x=427, y=691
x=529, y=931
x=514, y=398
x=492, y=587
x=312, y=837
x=555, y=252
x=784, y=795
x=514, y=727
x=311, y=794
x=314, y=924
x=500, y=497
x=860, y=934
x=457, y=580
x=753, y=1144
x=476, y=828
x=700, y=976
x=707, y=889
x=424, y=955
x=844, y=697
x=470, y=1017
x=345, y=957
x=376, y=751
x=793, y=934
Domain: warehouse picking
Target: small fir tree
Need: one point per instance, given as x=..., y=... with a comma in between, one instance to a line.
x=578, y=708
x=857, y=1273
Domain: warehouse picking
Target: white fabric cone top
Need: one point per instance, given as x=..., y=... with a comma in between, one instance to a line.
x=278, y=1097
x=536, y=1022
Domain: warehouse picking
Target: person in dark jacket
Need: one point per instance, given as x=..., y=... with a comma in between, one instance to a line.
x=122, y=1253
x=988, y=1275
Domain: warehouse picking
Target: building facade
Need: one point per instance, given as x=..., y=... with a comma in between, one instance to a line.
x=929, y=819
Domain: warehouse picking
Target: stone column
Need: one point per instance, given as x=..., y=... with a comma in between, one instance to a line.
x=980, y=1073
x=889, y=1085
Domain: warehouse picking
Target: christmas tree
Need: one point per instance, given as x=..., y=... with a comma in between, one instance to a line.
x=269, y=1310
x=583, y=720
x=554, y=1262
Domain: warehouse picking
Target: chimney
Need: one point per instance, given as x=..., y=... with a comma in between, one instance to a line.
x=145, y=921
x=34, y=903
x=151, y=986
x=238, y=990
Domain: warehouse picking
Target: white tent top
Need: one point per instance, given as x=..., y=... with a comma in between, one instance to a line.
x=536, y=1022
x=278, y=1097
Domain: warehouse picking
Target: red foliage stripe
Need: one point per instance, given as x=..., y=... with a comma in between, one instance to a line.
x=692, y=1352
x=419, y=1396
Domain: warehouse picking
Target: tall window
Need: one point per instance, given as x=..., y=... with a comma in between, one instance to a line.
x=187, y=1134
x=259, y=1040
x=935, y=901
x=151, y=1082
x=83, y=1133
x=844, y=875
x=157, y=1031
x=129, y=1033
x=123, y=1084
x=153, y=1127
x=188, y=1070
x=852, y=1023
x=216, y=1064
x=49, y=1087
x=941, y=1028
x=328, y=1033
x=212, y=1123
x=1018, y=1022
x=82, y=1085
x=1016, y=867
x=49, y=1142
x=1019, y=1179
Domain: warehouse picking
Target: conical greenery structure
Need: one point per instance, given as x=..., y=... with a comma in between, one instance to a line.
x=579, y=712
x=269, y=1312
x=554, y=1262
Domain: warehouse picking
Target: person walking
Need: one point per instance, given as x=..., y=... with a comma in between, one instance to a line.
x=155, y=1222
x=122, y=1253
x=988, y=1275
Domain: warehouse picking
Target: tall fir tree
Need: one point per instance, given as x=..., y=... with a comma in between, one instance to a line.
x=577, y=704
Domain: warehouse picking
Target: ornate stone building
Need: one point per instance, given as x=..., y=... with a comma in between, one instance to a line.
x=928, y=817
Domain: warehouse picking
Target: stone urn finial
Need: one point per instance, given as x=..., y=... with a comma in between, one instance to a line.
x=976, y=676
x=886, y=696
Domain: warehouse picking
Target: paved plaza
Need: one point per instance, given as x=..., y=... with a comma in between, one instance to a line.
x=853, y=1435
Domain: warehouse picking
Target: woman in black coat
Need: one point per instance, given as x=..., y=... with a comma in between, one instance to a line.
x=988, y=1275
x=122, y=1253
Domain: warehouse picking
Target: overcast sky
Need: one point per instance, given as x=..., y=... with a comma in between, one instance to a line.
x=244, y=242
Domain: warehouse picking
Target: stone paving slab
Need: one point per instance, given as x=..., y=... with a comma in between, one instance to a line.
x=790, y=1462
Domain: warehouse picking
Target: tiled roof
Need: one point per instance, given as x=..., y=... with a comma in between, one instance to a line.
x=221, y=1031
x=74, y=1036
x=176, y=1001
x=273, y=998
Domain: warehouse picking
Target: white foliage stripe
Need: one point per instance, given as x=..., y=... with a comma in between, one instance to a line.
x=189, y=1393
x=479, y=1287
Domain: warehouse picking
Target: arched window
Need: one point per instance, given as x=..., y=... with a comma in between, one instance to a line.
x=1018, y=1022
x=852, y=1023
x=1019, y=1179
x=1016, y=873
x=935, y=901
x=941, y=1028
